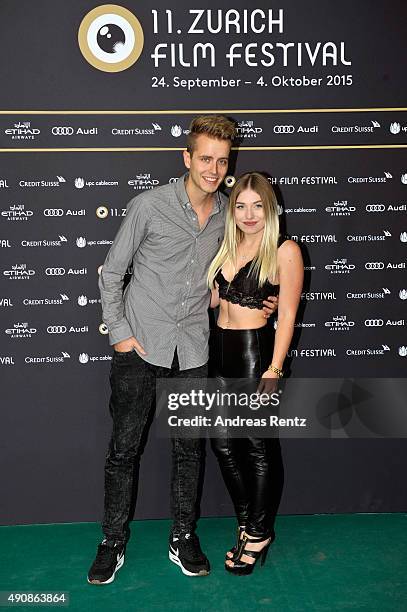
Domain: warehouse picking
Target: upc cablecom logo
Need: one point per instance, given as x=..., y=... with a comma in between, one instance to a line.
x=111, y=38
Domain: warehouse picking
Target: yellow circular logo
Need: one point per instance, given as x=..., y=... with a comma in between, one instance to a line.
x=110, y=38
x=102, y=212
x=229, y=181
x=103, y=329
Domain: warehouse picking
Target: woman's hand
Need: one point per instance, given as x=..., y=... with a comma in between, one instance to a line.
x=215, y=296
x=270, y=306
x=268, y=383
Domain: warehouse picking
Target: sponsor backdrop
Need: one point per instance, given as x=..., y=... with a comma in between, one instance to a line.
x=95, y=105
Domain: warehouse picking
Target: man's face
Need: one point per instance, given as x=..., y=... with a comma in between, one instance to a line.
x=207, y=164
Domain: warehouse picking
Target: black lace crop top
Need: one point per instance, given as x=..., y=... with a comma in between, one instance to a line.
x=244, y=290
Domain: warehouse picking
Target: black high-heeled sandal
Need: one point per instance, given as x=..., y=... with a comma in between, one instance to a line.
x=233, y=551
x=242, y=568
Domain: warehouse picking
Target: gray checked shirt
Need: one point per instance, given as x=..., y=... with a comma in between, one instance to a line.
x=165, y=304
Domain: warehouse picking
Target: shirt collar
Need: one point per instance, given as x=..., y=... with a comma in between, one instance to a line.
x=220, y=199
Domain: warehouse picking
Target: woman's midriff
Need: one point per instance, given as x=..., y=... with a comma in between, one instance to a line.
x=234, y=316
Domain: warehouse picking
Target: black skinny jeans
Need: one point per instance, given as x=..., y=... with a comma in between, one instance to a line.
x=133, y=392
x=252, y=468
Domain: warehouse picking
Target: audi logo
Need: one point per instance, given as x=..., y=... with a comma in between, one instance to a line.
x=374, y=265
x=54, y=271
x=374, y=322
x=53, y=212
x=56, y=329
x=62, y=131
x=284, y=129
x=375, y=207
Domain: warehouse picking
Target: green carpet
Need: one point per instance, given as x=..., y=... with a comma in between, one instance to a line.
x=317, y=563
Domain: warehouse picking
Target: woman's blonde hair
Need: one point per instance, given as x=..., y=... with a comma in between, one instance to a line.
x=264, y=265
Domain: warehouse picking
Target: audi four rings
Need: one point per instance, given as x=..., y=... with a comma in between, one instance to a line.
x=55, y=271
x=375, y=208
x=284, y=129
x=56, y=329
x=374, y=265
x=374, y=322
x=53, y=212
x=58, y=130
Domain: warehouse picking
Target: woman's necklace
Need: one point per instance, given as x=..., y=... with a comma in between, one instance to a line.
x=246, y=255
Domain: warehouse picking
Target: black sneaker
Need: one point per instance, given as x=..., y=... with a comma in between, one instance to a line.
x=185, y=551
x=109, y=558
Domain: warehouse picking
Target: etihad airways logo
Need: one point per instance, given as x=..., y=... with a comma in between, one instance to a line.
x=341, y=208
x=20, y=330
x=340, y=266
x=143, y=182
x=19, y=272
x=17, y=212
x=339, y=323
x=248, y=129
x=22, y=130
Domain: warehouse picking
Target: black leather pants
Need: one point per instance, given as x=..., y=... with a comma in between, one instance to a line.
x=252, y=468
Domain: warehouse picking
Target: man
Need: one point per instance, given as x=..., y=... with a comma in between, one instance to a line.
x=159, y=328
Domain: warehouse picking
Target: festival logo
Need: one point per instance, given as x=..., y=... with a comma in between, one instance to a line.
x=110, y=38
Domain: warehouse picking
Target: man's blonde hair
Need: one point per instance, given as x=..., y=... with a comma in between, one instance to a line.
x=215, y=126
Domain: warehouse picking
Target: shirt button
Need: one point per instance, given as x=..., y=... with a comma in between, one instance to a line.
x=182, y=303
x=187, y=282
x=192, y=261
x=177, y=324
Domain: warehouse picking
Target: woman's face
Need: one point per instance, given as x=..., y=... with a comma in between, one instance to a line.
x=249, y=212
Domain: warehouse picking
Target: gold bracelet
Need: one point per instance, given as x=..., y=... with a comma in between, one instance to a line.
x=276, y=370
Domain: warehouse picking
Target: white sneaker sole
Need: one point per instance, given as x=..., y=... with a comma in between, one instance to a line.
x=112, y=577
x=178, y=562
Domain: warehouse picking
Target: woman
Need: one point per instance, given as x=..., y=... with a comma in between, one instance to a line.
x=254, y=261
